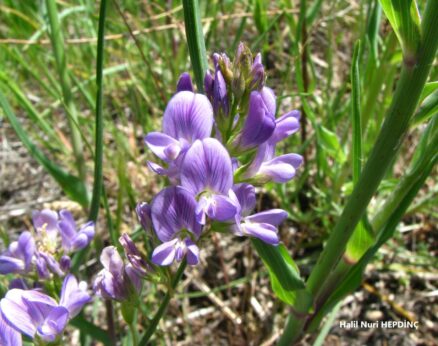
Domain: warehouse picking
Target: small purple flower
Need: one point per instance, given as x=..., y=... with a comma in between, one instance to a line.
x=259, y=124
x=18, y=257
x=188, y=117
x=207, y=171
x=261, y=225
x=174, y=220
x=265, y=166
x=144, y=216
x=257, y=73
x=37, y=315
x=73, y=239
x=8, y=335
x=134, y=256
x=115, y=281
x=220, y=98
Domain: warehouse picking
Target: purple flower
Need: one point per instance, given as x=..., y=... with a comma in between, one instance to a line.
x=174, y=220
x=257, y=73
x=265, y=166
x=116, y=281
x=8, y=335
x=259, y=124
x=133, y=255
x=37, y=315
x=188, y=117
x=207, y=171
x=261, y=225
x=144, y=216
x=73, y=239
x=220, y=99
x=18, y=257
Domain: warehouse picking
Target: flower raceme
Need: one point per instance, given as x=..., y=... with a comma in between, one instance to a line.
x=213, y=148
x=47, y=249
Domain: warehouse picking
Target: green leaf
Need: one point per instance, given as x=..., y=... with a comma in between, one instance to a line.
x=88, y=328
x=283, y=272
x=71, y=185
x=330, y=143
x=429, y=107
x=405, y=21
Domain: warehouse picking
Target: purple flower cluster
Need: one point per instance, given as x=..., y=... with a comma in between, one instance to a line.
x=47, y=250
x=214, y=149
x=44, y=254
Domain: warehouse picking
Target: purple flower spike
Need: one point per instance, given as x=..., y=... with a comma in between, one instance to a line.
x=184, y=83
x=18, y=257
x=144, y=215
x=259, y=124
x=72, y=239
x=8, y=335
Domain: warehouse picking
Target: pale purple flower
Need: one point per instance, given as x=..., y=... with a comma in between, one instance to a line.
x=74, y=239
x=259, y=123
x=207, y=171
x=18, y=257
x=220, y=98
x=265, y=166
x=37, y=315
x=8, y=335
x=188, y=117
x=116, y=281
x=174, y=220
x=261, y=225
x=257, y=73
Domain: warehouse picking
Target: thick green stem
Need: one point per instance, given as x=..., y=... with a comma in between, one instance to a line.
x=195, y=41
x=154, y=322
x=57, y=40
x=412, y=80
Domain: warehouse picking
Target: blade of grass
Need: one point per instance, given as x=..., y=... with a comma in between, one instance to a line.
x=195, y=41
x=57, y=41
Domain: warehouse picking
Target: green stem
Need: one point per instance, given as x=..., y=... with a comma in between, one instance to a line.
x=195, y=41
x=57, y=40
x=159, y=314
x=412, y=80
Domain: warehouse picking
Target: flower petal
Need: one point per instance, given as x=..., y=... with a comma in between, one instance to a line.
x=192, y=252
x=221, y=208
x=273, y=217
x=269, y=100
x=262, y=231
x=10, y=265
x=188, y=116
x=160, y=143
x=8, y=335
x=287, y=124
x=54, y=324
x=46, y=218
x=111, y=260
x=207, y=166
x=245, y=194
x=259, y=124
x=184, y=83
x=282, y=168
x=173, y=209
x=164, y=254
x=73, y=295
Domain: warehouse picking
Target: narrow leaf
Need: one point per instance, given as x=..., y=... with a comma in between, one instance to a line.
x=71, y=185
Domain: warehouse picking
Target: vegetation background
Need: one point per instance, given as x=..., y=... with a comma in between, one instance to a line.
x=307, y=48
